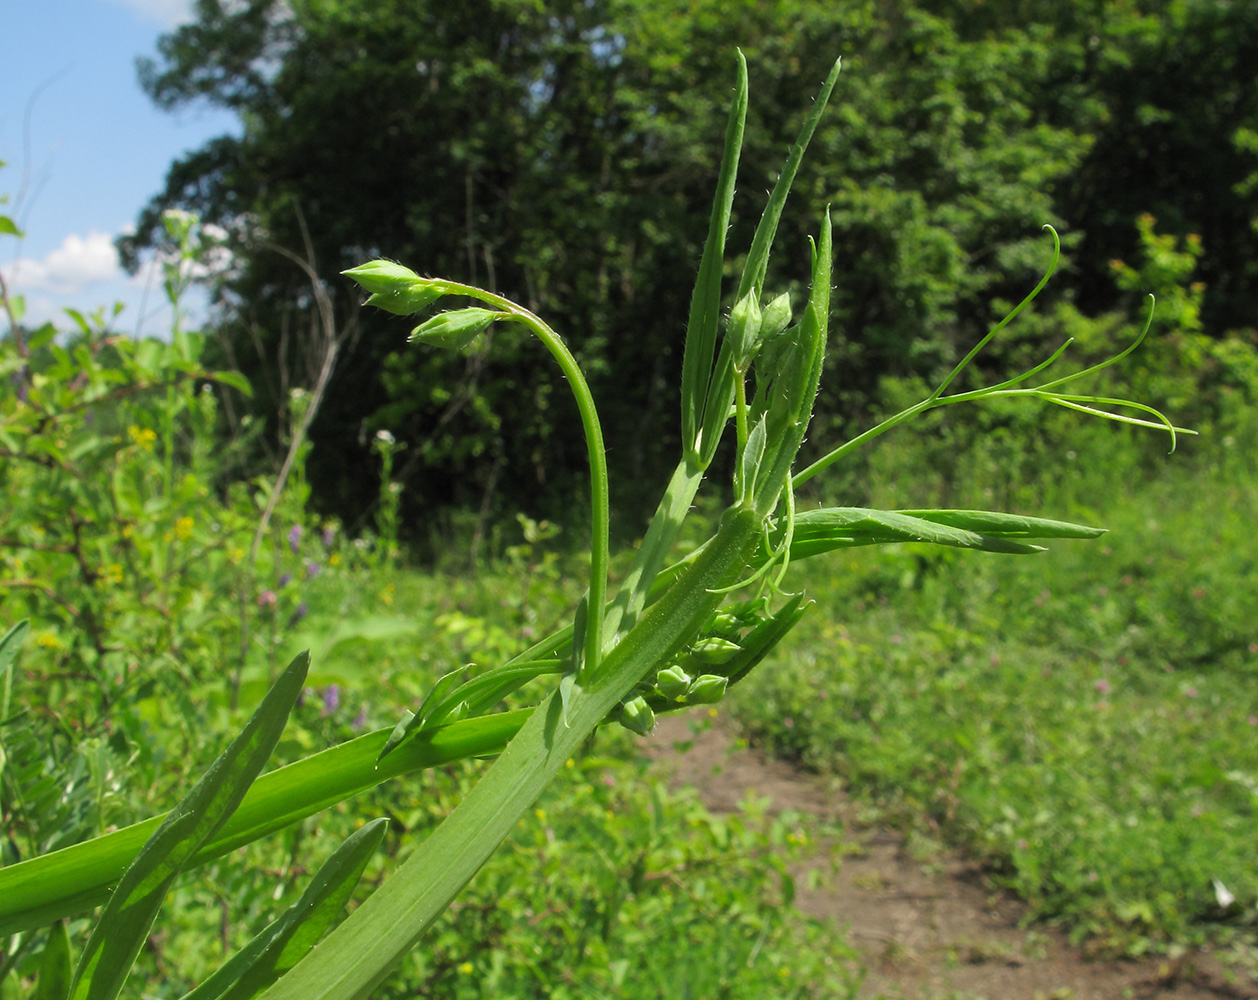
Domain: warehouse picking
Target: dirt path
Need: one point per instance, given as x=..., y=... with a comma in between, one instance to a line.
x=924, y=932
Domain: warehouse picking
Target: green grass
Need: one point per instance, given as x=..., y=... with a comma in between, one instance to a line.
x=613, y=887
x=1085, y=720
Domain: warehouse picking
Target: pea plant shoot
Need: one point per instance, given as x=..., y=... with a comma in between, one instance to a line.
x=670, y=636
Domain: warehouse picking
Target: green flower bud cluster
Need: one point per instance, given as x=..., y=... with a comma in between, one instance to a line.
x=700, y=674
x=749, y=327
x=401, y=291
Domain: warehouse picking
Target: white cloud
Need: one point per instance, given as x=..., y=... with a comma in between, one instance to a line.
x=77, y=264
x=168, y=13
x=83, y=273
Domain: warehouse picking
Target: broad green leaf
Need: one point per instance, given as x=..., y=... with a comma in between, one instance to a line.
x=8, y=227
x=41, y=337
x=124, y=925
x=235, y=380
x=55, y=966
x=662, y=532
x=284, y=941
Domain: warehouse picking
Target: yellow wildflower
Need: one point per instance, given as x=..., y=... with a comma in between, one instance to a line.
x=47, y=640
x=142, y=436
x=183, y=527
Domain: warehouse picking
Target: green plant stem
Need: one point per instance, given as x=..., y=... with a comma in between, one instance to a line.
x=740, y=409
x=359, y=953
x=600, y=511
x=36, y=892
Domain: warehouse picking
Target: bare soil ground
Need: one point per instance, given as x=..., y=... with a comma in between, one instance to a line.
x=925, y=930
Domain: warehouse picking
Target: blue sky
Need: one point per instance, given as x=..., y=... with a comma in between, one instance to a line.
x=85, y=150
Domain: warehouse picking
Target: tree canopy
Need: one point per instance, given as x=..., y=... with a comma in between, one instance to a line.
x=563, y=154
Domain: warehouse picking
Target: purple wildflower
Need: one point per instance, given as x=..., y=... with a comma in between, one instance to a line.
x=267, y=599
x=284, y=580
x=312, y=569
x=331, y=698
x=329, y=535
x=294, y=537
x=298, y=615
x=360, y=719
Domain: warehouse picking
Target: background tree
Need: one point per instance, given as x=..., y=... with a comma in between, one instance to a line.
x=563, y=153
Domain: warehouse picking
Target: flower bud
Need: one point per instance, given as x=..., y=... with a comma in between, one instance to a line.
x=777, y=317
x=744, y=329
x=396, y=288
x=381, y=275
x=714, y=650
x=637, y=717
x=455, y=329
x=672, y=682
x=707, y=690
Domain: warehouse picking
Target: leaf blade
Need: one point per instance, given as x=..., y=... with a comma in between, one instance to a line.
x=282, y=943
x=124, y=925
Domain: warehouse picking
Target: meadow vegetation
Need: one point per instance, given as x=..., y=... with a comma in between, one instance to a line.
x=1083, y=720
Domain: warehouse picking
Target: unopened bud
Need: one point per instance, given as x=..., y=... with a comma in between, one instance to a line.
x=636, y=716
x=714, y=650
x=707, y=690
x=672, y=682
x=777, y=317
x=396, y=288
x=744, y=329
x=455, y=329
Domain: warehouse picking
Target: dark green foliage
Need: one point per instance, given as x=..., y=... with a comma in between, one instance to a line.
x=565, y=158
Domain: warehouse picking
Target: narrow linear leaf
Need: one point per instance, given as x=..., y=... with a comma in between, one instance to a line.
x=762, y=639
x=705, y=301
x=235, y=380
x=826, y=529
x=283, y=942
x=996, y=523
x=12, y=642
x=55, y=968
x=478, y=694
x=9, y=647
x=35, y=892
x=751, y=284
x=359, y=953
x=766, y=230
x=125, y=923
